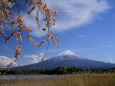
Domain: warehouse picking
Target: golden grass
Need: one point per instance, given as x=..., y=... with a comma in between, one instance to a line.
x=67, y=80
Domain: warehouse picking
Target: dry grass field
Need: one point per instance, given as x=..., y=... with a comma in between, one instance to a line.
x=66, y=80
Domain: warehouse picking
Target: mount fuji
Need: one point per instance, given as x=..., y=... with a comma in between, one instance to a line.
x=68, y=59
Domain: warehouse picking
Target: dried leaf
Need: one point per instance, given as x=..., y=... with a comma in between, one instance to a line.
x=25, y=28
x=38, y=21
x=43, y=58
x=31, y=39
x=49, y=36
x=9, y=37
x=18, y=51
x=58, y=40
x=18, y=36
x=44, y=29
x=33, y=8
x=53, y=40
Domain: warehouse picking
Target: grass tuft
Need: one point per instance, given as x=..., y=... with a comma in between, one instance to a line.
x=66, y=80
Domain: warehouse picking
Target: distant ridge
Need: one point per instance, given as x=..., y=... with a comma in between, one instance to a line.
x=68, y=59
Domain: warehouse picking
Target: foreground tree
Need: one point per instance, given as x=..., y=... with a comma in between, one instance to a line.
x=8, y=19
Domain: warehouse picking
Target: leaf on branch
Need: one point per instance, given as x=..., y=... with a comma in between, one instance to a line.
x=49, y=36
x=53, y=40
x=44, y=29
x=25, y=4
x=57, y=39
x=34, y=43
x=9, y=37
x=18, y=51
x=33, y=8
x=38, y=21
x=25, y=28
x=18, y=36
x=40, y=45
x=20, y=20
x=31, y=39
x=43, y=58
x=8, y=4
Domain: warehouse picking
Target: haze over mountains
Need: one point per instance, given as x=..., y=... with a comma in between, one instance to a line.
x=68, y=59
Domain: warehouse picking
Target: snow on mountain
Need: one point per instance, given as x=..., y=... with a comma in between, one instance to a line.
x=68, y=53
x=69, y=59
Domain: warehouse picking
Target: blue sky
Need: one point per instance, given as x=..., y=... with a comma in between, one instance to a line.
x=86, y=27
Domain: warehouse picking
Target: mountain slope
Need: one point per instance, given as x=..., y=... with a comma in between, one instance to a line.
x=68, y=59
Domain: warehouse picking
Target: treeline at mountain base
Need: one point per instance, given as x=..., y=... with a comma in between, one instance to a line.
x=57, y=71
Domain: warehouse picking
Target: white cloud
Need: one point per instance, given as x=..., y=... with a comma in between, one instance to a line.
x=73, y=13
x=35, y=58
x=41, y=54
x=78, y=12
x=110, y=60
x=5, y=61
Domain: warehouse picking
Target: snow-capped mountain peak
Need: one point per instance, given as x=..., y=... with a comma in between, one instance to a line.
x=67, y=53
x=68, y=59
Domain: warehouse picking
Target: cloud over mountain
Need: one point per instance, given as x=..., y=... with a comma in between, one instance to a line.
x=34, y=57
x=4, y=61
